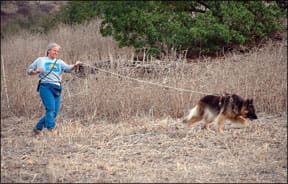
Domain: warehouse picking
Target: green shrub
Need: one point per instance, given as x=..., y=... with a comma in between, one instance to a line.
x=161, y=26
x=198, y=26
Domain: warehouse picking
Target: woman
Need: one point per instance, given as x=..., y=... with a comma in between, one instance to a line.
x=50, y=69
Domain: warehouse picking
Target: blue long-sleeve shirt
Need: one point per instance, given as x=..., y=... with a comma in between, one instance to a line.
x=47, y=64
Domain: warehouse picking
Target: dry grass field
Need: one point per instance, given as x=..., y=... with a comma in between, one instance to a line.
x=144, y=150
x=113, y=129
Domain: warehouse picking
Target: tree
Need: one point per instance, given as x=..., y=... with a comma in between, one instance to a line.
x=200, y=26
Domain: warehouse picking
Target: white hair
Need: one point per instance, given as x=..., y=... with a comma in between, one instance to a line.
x=51, y=46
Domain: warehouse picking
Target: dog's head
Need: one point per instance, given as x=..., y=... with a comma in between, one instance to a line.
x=250, y=109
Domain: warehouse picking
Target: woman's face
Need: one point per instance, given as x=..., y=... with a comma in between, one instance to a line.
x=53, y=53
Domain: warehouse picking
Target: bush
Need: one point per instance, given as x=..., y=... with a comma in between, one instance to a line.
x=159, y=27
x=162, y=26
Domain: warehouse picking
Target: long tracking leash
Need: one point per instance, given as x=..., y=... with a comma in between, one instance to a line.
x=146, y=82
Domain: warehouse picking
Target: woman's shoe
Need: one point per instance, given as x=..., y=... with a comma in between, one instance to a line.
x=52, y=130
x=36, y=131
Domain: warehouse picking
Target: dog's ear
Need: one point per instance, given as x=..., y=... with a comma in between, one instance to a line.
x=246, y=102
x=251, y=101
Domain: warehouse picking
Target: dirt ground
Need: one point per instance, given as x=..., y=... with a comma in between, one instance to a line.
x=144, y=150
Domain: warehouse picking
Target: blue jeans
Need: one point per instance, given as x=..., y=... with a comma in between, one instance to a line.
x=51, y=98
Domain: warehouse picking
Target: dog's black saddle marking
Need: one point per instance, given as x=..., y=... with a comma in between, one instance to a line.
x=219, y=101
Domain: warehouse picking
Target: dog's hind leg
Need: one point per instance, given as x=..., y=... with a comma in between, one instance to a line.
x=193, y=116
x=193, y=120
x=220, y=122
x=207, y=125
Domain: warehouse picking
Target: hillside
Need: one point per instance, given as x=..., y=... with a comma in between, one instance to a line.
x=13, y=9
x=24, y=10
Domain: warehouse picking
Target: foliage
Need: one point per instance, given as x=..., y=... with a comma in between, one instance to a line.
x=164, y=26
x=79, y=11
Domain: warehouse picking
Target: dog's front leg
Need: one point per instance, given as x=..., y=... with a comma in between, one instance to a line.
x=242, y=120
x=220, y=120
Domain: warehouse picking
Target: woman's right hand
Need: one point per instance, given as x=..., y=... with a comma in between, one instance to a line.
x=38, y=70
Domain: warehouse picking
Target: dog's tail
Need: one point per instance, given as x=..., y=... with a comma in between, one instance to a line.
x=193, y=112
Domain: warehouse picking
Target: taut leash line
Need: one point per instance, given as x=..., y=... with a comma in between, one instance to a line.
x=147, y=82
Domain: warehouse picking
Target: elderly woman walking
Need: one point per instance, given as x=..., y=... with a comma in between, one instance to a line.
x=50, y=69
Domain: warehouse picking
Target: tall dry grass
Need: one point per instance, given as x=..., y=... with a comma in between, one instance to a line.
x=90, y=147
x=260, y=74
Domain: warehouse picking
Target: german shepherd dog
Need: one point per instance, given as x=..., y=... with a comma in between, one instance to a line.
x=221, y=108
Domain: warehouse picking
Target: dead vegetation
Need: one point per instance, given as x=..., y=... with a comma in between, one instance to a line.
x=112, y=129
x=145, y=150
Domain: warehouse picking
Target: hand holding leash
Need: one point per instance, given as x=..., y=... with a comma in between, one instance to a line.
x=78, y=63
